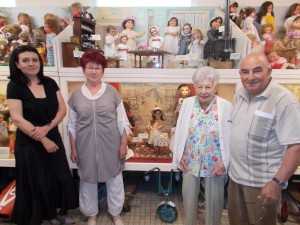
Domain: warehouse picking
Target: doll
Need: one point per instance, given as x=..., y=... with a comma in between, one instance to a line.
x=292, y=40
x=156, y=124
x=51, y=28
x=76, y=9
x=267, y=32
x=183, y=92
x=293, y=11
x=128, y=24
x=196, y=46
x=3, y=126
x=255, y=46
x=24, y=38
x=233, y=13
x=39, y=40
x=213, y=35
x=63, y=23
x=171, y=36
x=241, y=18
x=122, y=50
x=110, y=46
x=248, y=26
x=277, y=62
x=155, y=41
x=24, y=22
x=185, y=39
x=11, y=32
x=265, y=14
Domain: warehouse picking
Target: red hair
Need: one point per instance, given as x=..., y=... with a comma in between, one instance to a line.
x=93, y=56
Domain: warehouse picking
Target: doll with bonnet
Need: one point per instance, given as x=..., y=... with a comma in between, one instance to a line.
x=155, y=41
x=292, y=40
x=156, y=124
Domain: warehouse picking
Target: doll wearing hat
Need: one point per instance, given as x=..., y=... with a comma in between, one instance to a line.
x=156, y=124
x=128, y=24
x=233, y=10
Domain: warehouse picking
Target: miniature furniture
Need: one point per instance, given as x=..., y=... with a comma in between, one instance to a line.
x=141, y=53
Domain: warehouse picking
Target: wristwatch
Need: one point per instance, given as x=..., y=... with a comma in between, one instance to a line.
x=282, y=184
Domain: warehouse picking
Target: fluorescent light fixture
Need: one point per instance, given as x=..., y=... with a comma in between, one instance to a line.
x=8, y=3
x=139, y=3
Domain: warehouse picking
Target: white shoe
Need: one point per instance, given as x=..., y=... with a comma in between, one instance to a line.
x=119, y=222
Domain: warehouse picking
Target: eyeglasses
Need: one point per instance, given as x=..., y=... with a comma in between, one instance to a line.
x=97, y=69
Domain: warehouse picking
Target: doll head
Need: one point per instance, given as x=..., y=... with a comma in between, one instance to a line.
x=128, y=22
x=296, y=23
x=183, y=91
x=250, y=11
x=123, y=39
x=293, y=10
x=273, y=57
x=24, y=19
x=197, y=34
x=266, y=7
x=233, y=7
x=51, y=26
x=49, y=16
x=173, y=22
x=267, y=28
x=24, y=36
x=157, y=113
x=76, y=9
x=153, y=31
x=216, y=22
x=63, y=22
x=110, y=29
x=187, y=28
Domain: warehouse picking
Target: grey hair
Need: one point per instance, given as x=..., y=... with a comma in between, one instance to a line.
x=204, y=73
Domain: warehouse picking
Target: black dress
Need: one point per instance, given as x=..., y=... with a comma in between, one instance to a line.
x=44, y=180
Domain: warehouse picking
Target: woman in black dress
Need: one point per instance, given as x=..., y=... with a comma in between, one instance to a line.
x=45, y=189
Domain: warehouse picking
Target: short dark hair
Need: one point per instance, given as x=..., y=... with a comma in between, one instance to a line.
x=16, y=74
x=215, y=19
x=93, y=56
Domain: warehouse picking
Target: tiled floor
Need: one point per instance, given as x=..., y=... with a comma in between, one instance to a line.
x=143, y=208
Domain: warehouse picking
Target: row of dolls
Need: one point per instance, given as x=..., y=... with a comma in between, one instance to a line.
x=12, y=35
x=261, y=29
x=188, y=41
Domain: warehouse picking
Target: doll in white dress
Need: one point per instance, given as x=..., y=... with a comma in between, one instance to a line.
x=196, y=48
x=155, y=42
x=122, y=50
x=110, y=45
x=128, y=24
x=172, y=32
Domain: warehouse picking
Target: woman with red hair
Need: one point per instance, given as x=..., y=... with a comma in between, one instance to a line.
x=98, y=128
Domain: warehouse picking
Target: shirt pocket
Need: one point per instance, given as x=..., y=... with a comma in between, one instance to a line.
x=262, y=125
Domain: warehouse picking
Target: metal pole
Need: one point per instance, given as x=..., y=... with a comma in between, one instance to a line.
x=226, y=20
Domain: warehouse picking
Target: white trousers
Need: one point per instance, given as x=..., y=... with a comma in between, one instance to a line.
x=214, y=198
x=88, y=196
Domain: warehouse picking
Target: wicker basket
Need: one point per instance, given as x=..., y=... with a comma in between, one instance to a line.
x=287, y=52
x=218, y=64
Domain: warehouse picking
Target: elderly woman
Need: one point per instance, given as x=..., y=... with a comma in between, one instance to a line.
x=201, y=147
x=98, y=128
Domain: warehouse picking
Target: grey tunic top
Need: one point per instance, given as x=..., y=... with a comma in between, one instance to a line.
x=97, y=135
